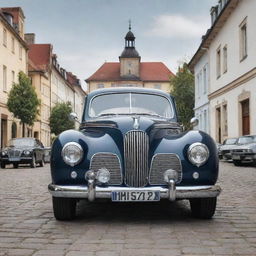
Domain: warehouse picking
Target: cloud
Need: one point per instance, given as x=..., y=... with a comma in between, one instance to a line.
x=178, y=26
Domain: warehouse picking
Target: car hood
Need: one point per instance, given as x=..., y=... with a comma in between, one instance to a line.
x=246, y=146
x=17, y=148
x=136, y=122
x=227, y=147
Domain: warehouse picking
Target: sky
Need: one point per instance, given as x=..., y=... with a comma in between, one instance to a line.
x=87, y=33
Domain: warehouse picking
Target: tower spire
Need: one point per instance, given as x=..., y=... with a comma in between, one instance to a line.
x=130, y=24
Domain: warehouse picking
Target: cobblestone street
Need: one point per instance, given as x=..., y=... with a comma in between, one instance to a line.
x=27, y=225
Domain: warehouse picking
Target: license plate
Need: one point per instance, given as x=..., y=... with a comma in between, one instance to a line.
x=236, y=157
x=14, y=159
x=135, y=196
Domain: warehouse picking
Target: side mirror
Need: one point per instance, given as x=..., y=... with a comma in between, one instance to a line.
x=194, y=121
x=73, y=117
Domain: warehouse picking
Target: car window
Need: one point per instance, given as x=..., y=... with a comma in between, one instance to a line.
x=130, y=103
x=245, y=140
x=230, y=141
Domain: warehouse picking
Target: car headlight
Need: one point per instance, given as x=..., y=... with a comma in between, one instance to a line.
x=103, y=175
x=27, y=152
x=198, y=153
x=4, y=153
x=72, y=153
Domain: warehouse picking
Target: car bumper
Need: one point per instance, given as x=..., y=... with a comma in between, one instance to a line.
x=172, y=193
x=20, y=160
x=244, y=156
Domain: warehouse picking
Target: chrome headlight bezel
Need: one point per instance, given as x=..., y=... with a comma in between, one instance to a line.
x=80, y=151
x=190, y=155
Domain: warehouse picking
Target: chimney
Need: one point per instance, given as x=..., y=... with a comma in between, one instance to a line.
x=30, y=38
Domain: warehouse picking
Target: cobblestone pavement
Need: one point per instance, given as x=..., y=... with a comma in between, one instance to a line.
x=27, y=225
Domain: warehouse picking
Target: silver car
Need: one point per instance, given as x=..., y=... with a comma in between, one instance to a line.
x=226, y=147
x=245, y=151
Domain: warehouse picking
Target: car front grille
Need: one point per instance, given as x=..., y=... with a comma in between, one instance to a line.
x=162, y=162
x=14, y=153
x=136, y=146
x=111, y=162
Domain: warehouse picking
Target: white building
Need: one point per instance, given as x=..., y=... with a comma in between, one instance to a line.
x=230, y=48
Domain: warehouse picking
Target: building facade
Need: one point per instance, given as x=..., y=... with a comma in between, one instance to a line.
x=53, y=85
x=130, y=71
x=230, y=48
x=13, y=59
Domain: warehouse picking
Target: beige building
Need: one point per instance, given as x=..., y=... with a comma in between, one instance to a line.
x=53, y=84
x=13, y=59
x=130, y=71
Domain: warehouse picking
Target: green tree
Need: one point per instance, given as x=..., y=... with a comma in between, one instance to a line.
x=23, y=101
x=59, y=118
x=183, y=92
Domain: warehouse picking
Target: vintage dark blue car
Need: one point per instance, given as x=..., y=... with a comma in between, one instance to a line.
x=131, y=148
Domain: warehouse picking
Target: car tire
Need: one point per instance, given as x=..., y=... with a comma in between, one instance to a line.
x=42, y=163
x=33, y=162
x=64, y=208
x=15, y=165
x=236, y=162
x=2, y=165
x=203, y=208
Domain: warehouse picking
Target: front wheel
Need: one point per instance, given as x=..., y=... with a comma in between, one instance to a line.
x=2, y=165
x=33, y=162
x=237, y=162
x=203, y=208
x=64, y=208
x=42, y=163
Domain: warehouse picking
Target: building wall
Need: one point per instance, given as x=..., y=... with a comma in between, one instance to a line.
x=15, y=60
x=234, y=79
x=41, y=128
x=130, y=66
x=61, y=92
x=165, y=86
x=201, y=109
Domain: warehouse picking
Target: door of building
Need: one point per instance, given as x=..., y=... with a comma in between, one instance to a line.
x=245, y=105
x=3, y=132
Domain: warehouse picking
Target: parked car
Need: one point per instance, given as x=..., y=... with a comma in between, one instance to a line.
x=245, y=151
x=23, y=151
x=47, y=154
x=131, y=148
x=226, y=148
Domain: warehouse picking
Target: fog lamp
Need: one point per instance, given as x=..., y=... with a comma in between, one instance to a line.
x=103, y=175
x=171, y=175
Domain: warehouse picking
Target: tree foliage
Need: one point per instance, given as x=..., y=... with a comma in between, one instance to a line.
x=183, y=92
x=23, y=101
x=59, y=118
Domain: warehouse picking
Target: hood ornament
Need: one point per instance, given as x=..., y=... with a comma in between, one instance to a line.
x=136, y=122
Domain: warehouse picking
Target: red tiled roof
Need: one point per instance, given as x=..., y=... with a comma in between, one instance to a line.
x=40, y=56
x=149, y=71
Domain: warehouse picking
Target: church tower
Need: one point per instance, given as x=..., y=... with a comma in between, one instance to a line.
x=130, y=59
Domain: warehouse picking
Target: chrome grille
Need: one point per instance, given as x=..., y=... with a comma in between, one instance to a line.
x=136, y=145
x=14, y=153
x=111, y=162
x=162, y=162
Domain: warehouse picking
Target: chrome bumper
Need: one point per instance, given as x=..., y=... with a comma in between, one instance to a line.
x=172, y=192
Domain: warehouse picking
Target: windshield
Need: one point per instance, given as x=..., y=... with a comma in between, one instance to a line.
x=246, y=139
x=23, y=142
x=230, y=141
x=130, y=103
